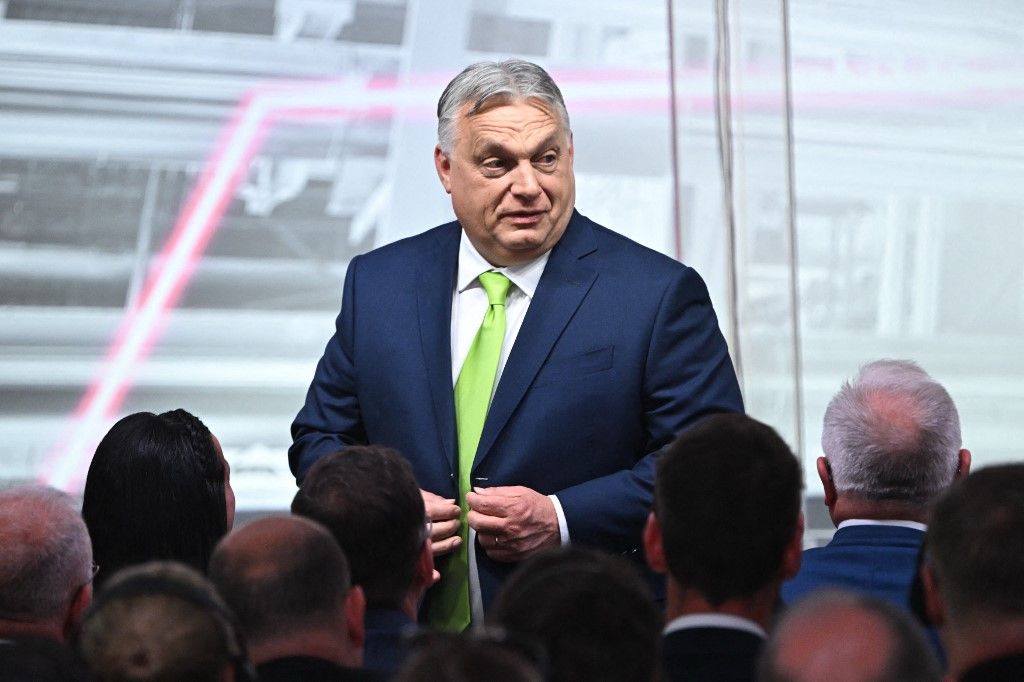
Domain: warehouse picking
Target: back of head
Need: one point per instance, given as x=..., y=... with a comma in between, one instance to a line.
x=160, y=622
x=975, y=546
x=46, y=556
x=727, y=498
x=485, y=84
x=465, y=658
x=281, y=576
x=892, y=434
x=834, y=635
x=592, y=613
x=155, y=490
x=367, y=497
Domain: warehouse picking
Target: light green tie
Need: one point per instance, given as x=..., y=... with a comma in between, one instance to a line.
x=450, y=607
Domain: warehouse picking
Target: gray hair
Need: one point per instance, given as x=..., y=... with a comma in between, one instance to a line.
x=893, y=433
x=47, y=555
x=485, y=83
x=909, y=657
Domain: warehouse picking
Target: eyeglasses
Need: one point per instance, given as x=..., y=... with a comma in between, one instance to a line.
x=93, y=570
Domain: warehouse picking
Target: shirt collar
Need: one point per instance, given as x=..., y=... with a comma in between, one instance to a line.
x=878, y=522
x=525, y=276
x=715, y=620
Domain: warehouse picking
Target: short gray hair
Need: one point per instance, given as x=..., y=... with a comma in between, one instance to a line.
x=47, y=555
x=485, y=83
x=909, y=657
x=892, y=434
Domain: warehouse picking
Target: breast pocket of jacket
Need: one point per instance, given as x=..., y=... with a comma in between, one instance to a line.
x=575, y=367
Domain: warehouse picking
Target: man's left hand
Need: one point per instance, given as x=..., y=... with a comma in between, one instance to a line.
x=512, y=522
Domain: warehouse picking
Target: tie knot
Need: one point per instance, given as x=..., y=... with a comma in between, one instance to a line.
x=496, y=285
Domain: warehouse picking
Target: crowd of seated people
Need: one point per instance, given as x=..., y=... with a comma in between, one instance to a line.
x=149, y=582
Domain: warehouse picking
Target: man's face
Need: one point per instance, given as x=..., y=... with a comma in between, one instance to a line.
x=511, y=180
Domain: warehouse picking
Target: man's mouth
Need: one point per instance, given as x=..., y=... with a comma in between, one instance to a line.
x=525, y=217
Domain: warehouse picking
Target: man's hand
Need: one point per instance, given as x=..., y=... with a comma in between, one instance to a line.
x=512, y=522
x=444, y=517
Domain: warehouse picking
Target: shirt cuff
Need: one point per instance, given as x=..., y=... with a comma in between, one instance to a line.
x=563, y=527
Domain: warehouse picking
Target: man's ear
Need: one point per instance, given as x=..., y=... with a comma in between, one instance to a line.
x=934, y=604
x=654, y=547
x=355, y=612
x=443, y=165
x=794, y=550
x=76, y=609
x=963, y=466
x=424, y=574
x=827, y=484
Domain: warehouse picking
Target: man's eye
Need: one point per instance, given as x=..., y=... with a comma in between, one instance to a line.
x=493, y=164
x=548, y=159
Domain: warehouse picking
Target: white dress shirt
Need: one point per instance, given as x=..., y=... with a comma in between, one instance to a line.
x=879, y=522
x=715, y=620
x=469, y=305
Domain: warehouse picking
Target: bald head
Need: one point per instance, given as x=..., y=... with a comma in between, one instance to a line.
x=46, y=561
x=839, y=637
x=281, y=574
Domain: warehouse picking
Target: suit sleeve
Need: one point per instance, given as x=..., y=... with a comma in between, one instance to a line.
x=688, y=374
x=331, y=418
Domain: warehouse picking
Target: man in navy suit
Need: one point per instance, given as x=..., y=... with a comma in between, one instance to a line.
x=891, y=439
x=727, y=529
x=609, y=348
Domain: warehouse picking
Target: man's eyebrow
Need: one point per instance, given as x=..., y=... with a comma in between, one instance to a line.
x=491, y=148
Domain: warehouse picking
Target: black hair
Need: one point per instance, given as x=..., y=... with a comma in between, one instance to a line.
x=727, y=498
x=155, y=490
x=975, y=543
x=591, y=611
x=368, y=498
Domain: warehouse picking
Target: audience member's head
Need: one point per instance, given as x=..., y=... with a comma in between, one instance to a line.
x=161, y=622
x=45, y=563
x=158, y=489
x=726, y=524
x=974, y=567
x=288, y=582
x=836, y=636
x=367, y=497
x=467, y=658
x=591, y=612
x=891, y=439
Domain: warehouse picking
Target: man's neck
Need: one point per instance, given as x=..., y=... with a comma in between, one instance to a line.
x=849, y=507
x=10, y=629
x=330, y=646
x=758, y=608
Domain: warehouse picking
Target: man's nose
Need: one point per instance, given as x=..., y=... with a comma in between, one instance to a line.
x=524, y=181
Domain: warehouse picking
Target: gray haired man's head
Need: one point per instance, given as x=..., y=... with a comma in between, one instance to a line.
x=45, y=561
x=486, y=84
x=892, y=434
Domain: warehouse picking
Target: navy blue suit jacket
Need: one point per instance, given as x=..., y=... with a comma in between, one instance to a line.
x=619, y=350
x=710, y=654
x=876, y=560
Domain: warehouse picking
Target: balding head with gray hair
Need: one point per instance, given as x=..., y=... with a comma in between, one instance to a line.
x=46, y=561
x=485, y=84
x=892, y=435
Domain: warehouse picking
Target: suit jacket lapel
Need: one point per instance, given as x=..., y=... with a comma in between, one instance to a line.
x=562, y=287
x=436, y=282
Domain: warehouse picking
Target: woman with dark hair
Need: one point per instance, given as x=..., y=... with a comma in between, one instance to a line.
x=158, y=488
